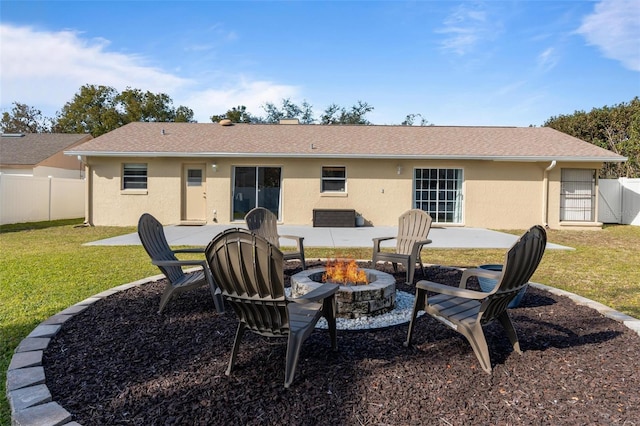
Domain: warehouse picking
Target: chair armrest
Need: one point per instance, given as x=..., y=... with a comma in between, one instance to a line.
x=321, y=292
x=189, y=250
x=451, y=291
x=297, y=239
x=378, y=240
x=478, y=272
x=417, y=246
x=194, y=262
x=383, y=238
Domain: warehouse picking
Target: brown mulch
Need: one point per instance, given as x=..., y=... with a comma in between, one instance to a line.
x=120, y=363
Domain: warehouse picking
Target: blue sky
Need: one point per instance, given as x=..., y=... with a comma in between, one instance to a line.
x=506, y=63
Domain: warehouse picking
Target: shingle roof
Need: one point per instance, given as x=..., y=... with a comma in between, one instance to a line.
x=33, y=148
x=339, y=141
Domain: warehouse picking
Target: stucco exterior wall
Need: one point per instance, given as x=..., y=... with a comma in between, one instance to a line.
x=498, y=195
x=69, y=165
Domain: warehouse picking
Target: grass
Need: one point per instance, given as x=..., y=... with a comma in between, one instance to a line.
x=44, y=268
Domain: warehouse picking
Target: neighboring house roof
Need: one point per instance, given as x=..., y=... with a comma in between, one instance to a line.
x=30, y=149
x=342, y=141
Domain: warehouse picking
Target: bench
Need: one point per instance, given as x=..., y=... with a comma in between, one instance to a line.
x=334, y=218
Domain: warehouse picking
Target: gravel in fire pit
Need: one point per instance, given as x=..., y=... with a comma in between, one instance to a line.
x=120, y=363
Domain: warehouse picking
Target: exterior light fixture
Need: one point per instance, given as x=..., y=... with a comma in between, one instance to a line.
x=399, y=169
x=214, y=166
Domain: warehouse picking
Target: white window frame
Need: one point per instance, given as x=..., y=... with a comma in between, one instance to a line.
x=436, y=193
x=132, y=173
x=333, y=179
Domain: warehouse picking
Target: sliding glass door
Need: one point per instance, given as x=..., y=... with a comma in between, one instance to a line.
x=256, y=187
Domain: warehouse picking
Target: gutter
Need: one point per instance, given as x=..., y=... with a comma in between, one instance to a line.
x=545, y=194
x=516, y=158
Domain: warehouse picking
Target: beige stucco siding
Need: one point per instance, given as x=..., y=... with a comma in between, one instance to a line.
x=503, y=195
x=500, y=195
x=116, y=207
x=374, y=189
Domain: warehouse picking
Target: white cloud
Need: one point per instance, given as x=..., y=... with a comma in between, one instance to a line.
x=46, y=69
x=614, y=28
x=252, y=94
x=548, y=59
x=464, y=29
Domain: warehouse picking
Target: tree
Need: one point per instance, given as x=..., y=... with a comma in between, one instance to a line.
x=303, y=113
x=237, y=114
x=24, y=119
x=306, y=116
x=184, y=114
x=614, y=128
x=145, y=106
x=93, y=110
x=335, y=114
x=101, y=109
x=410, y=120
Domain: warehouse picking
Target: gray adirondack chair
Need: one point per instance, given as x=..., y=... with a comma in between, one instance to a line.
x=264, y=223
x=249, y=270
x=155, y=243
x=466, y=311
x=413, y=228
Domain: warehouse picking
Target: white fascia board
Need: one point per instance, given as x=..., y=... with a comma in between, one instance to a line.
x=355, y=156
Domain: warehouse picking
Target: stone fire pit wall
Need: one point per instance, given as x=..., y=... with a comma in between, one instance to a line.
x=354, y=301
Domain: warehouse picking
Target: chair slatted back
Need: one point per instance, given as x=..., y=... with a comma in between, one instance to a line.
x=521, y=261
x=264, y=223
x=154, y=241
x=248, y=269
x=413, y=225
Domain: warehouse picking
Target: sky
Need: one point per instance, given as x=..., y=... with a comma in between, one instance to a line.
x=465, y=63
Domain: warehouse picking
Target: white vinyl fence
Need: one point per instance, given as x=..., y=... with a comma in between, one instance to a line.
x=619, y=201
x=35, y=199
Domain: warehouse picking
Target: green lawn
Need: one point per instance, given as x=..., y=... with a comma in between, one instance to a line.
x=44, y=268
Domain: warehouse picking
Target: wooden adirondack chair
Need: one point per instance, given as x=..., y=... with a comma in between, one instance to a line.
x=466, y=311
x=154, y=241
x=264, y=223
x=249, y=270
x=413, y=228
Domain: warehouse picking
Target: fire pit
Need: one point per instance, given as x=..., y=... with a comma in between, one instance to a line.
x=354, y=301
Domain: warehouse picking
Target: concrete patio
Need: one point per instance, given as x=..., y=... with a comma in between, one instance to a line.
x=442, y=237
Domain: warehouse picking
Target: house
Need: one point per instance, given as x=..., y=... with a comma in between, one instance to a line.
x=197, y=173
x=41, y=154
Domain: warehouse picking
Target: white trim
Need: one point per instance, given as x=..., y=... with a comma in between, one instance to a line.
x=517, y=158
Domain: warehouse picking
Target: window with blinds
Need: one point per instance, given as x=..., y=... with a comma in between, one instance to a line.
x=134, y=176
x=334, y=179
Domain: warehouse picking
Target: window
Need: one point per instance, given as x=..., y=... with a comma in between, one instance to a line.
x=334, y=179
x=194, y=177
x=578, y=195
x=439, y=193
x=134, y=176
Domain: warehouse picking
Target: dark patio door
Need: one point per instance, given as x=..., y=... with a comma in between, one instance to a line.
x=256, y=187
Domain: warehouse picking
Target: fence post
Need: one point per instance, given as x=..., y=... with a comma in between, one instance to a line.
x=50, y=180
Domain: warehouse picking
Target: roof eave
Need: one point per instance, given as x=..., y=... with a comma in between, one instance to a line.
x=515, y=158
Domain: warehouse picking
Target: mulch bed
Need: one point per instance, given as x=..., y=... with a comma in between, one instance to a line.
x=120, y=363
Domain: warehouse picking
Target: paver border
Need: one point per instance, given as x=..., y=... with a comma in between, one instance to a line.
x=31, y=402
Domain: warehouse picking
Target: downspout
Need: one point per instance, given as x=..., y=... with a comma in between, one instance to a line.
x=545, y=195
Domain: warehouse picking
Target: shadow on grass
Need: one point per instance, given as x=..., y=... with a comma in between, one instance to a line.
x=30, y=226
